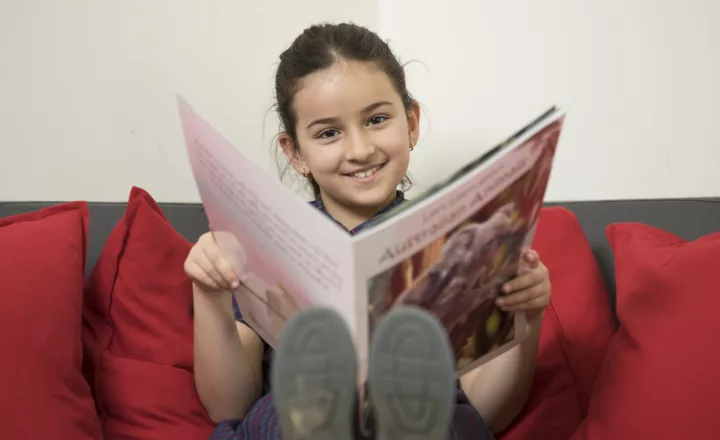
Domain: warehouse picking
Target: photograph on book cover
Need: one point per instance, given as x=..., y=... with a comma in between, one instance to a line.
x=459, y=275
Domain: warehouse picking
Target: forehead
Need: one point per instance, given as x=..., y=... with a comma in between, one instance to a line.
x=344, y=88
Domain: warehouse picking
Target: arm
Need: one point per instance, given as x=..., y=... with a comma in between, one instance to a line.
x=499, y=389
x=228, y=357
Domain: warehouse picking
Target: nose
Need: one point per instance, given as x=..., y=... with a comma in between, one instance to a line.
x=359, y=147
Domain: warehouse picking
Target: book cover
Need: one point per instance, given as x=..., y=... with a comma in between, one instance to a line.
x=474, y=239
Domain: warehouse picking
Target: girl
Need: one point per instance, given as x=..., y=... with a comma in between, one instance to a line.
x=349, y=127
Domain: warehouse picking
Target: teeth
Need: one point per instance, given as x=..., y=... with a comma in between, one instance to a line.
x=366, y=173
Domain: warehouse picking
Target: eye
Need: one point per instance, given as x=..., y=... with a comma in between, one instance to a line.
x=329, y=133
x=377, y=119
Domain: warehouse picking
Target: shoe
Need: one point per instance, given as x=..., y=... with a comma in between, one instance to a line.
x=313, y=377
x=411, y=377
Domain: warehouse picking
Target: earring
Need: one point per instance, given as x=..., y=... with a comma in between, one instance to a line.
x=305, y=173
x=412, y=146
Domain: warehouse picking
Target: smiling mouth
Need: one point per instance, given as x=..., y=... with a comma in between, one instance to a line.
x=365, y=174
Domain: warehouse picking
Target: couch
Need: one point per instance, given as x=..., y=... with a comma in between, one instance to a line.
x=97, y=321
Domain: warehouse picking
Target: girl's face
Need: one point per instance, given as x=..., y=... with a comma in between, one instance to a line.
x=353, y=136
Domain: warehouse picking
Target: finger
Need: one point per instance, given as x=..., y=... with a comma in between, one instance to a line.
x=532, y=254
x=535, y=304
x=524, y=281
x=532, y=258
x=228, y=273
x=521, y=296
x=221, y=266
x=225, y=270
x=233, y=276
x=200, y=276
x=206, y=264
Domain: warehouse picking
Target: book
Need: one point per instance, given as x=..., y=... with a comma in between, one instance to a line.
x=449, y=250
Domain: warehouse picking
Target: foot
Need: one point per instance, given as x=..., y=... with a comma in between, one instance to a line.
x=412, y=377
x=313, y=377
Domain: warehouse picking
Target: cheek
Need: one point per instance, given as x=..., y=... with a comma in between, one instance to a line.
x=324, y=159
x=393, y=143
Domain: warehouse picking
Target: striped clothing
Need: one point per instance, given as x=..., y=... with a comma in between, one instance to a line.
x=262, y=423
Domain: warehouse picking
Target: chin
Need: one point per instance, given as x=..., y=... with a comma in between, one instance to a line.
x=371, y=198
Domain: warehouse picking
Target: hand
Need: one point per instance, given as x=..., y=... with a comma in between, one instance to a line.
x=529, y=291
x=208, y=268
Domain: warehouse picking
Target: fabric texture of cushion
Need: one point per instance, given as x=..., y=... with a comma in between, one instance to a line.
x=576, y=332
x=42, y=266
x=139, y=330
x=660, y=378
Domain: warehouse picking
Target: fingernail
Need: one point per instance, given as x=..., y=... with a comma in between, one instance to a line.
x=507, y=288
x=500, y=302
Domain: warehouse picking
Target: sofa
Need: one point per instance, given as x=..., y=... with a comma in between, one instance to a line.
x=97, y=322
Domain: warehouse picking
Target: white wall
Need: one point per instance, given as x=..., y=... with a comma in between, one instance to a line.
x=87, y=109
x=640, y=80
x=87, y=87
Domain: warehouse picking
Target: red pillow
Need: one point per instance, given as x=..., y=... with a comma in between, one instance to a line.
x=139, y=330
x=42, y=267
x=576, y=331
x=660, y=378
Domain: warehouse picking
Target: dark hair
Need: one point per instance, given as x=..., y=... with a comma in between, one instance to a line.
x=319, y=47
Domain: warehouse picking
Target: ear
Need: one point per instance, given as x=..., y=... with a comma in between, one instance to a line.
x=413, y=115
x=290, y=150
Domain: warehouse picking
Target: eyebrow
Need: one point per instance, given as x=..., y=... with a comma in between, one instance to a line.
x=333, y=120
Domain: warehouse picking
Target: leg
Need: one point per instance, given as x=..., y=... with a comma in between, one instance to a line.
x=261, y=422
x=411, y=377
x=314, y=376
x=467, y=423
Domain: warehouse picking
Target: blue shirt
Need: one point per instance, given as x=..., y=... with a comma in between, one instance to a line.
x=399, y=198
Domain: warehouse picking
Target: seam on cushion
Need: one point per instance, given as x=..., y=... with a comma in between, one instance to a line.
x=85, y=221
x=581, y=393
x=582, y=398
x=127, y=222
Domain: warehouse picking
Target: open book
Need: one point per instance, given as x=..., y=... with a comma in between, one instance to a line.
x=448, y=250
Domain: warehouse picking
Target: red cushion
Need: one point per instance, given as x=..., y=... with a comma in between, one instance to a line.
x=576, y=331
x=660, y=378
x=42, y=266
x=139, y=330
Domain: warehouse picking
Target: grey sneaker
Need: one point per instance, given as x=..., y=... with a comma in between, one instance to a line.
x=412, y=377
x=313, y=378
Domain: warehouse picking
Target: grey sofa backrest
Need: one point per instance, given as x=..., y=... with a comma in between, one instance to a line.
x=688, y=219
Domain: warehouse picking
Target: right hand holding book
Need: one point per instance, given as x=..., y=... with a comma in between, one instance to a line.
x=208, y=268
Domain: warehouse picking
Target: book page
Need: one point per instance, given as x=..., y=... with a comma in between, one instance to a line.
x=289, y=254
x=452, y=254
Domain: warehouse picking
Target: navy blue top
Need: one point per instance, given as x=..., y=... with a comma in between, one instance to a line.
x=399, y=198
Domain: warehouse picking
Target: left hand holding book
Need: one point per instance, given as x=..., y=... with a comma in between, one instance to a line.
x=529, y=291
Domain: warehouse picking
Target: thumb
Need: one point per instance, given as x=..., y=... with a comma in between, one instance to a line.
x=531, y=257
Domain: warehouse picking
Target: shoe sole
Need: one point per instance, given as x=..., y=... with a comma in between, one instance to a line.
x=314, y=377
x=411, y=378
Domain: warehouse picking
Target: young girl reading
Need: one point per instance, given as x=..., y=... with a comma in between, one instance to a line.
x=349, y=127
